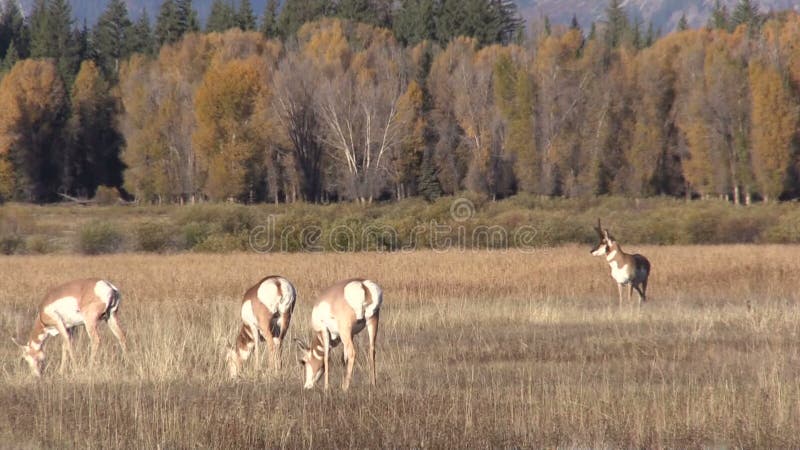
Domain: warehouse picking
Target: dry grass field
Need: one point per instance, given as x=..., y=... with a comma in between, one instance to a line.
x=475, y=349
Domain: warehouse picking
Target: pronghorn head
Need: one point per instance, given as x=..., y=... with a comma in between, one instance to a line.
x=607, y=242
x=310, y=359
x=34, y=357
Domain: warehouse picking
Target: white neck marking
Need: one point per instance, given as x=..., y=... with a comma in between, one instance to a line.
x=611, y=255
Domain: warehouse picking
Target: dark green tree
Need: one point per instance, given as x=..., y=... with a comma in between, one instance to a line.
x=112, y=38
x=357, y=10
x=269, y=23
x=11, y=58
x=222, y=17
x=176, y=18
x=415, y=21
x=297, y=12
x=186, y=17
x=746, y=13
x=683, y=24
x=13, y=29
x=141, y=36
x=719, y=17
x=574, y=25
x=618, y=24
x=245, y=17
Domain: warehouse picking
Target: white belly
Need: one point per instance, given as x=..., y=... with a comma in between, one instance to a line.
x=66, y=308
x=620, y=274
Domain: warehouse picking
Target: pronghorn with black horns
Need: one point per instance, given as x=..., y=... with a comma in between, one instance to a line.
x=341, y=312
x=266, y=313
x=78, y=302
x=626, y=269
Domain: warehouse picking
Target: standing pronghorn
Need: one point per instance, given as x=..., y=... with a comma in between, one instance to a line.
x=341, y=312
x=77, y=302
x=626, y=269
x=266, y=312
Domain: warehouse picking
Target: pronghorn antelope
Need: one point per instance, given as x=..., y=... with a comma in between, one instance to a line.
x=266, y=312
x=341, y=312
x=66, y=306
x=626, y=269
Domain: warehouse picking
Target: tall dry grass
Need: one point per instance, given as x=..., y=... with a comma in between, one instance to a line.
x=476, y=349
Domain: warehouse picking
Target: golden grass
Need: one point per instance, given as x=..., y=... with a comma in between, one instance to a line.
x=475, y=349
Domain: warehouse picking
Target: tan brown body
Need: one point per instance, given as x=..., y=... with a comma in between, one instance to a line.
x=631, y=270
x=341, y=312
x=266, y=312
x=78, y=302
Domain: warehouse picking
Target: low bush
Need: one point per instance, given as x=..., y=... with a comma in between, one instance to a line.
x=99, y=237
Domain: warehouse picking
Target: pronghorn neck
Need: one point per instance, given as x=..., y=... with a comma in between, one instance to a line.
x=317, y=347
x=616, y=254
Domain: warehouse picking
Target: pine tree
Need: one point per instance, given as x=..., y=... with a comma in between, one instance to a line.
x=13, y=29
x=186, y=17
x=39, y=21
x=683, y=24
x=746, y=13
x=246, y=19
x=222, y=17
x=269, y=23
x=574, y=25
x=415, y=21
x=176, y=18
x=297, y=12
x=719, y=19
x=357, y=10
x=141, y=35
x=11, y=58
x=618, y=24
x=112, y=38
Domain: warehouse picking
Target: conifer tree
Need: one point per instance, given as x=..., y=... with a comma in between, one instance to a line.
x=112, y=38
x=683, y=24
x=222, y=17
x=141, y=35
x=245, y=18
x=269, y=23
x=415, y=21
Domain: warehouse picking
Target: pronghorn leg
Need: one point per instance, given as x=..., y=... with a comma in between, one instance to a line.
x=326, y=343
x=256, y=352
x=283, y=326
x=64, y=350
x=94, y=338
x=630, y=292
x=349, y=356
x=619, y=288
x=271, y=346
x=113, y=325
x=240, y=352
x=66, y=342
x=643, y=291
x=372, y=330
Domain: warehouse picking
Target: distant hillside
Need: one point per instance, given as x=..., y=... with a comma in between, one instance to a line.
x=664, y=14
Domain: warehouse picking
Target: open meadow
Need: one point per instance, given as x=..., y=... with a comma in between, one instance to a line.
x=475, y=349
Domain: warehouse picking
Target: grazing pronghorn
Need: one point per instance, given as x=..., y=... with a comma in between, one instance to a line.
x=341, y=312
x=626, y=269
x=78, y=302
x=266, y=312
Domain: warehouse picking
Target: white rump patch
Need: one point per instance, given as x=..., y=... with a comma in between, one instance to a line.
x=377, y=298
x=289, y=296
x=268, y=295
x=103, y=290
x=356, y=298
